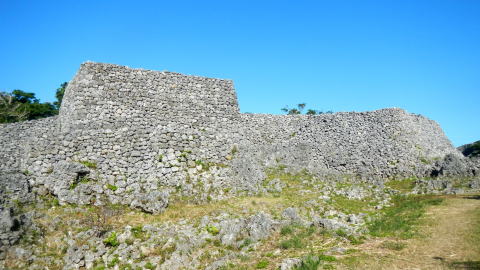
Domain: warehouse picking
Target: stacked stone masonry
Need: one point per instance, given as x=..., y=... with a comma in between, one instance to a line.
x=142, y=135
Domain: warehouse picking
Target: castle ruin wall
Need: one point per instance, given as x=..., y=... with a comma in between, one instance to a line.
x=151, y=131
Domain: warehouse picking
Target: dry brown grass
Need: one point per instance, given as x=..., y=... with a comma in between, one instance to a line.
x=446, y=241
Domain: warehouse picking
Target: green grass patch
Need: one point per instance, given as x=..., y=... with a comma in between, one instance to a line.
x=281, y=173
x=150, y=266
x=400, y=219
x=112, y=187
x=289, y=229
x=138, y=232
x=294, y=242
x=404, y=185
x=474, y=238
x=350, y=206
x=89, y=164
x=262, y=264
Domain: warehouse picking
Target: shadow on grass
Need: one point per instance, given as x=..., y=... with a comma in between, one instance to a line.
x=472, y=197
x=470, y=265
x=465, y=265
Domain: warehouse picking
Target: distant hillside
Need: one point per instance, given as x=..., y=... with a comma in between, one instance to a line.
x=470, y=150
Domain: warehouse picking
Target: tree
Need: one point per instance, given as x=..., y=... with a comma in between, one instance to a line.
x=20, y=105
x=299, y=109
x=24, y=97
x=10, y=109
x=312, y=112
x=59, y=95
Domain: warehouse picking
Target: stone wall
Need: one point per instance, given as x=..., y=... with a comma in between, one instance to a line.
x=383, y=143
x=144, y=132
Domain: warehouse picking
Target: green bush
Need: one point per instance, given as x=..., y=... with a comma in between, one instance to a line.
x=312, y=262
x=286, y=230
x=294, y=242
x=111, y=240
x=150, y=266
x=212, y=230
x=309, y=263
x=246, y=243
x=137, y=231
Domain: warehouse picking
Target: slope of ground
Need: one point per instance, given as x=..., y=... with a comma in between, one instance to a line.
x=449, y=239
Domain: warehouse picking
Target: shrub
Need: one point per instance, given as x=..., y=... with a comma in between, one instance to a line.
x=312, y=262
x=111, y=240
x=326, y=258
x=286, y=230
x=294, y=242
x=212, y=230
x=137, y=231
x=149, y=265
x=99, y=218
x=309, y=263
x=246, y=243
x=341, y=233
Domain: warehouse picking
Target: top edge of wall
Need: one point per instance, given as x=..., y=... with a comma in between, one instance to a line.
x=91, y=64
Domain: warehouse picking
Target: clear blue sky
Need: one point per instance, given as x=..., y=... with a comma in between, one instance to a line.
x=423, y=56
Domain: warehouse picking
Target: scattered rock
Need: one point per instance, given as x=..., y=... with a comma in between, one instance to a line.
x=290, y=263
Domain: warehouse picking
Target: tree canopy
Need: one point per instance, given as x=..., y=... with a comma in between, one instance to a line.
x=298, y=109
x=19, y=105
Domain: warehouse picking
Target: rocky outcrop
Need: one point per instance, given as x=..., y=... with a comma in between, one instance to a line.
x=14, y=193
x=471, y=149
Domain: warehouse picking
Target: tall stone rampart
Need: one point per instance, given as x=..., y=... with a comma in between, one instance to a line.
x=145, y=132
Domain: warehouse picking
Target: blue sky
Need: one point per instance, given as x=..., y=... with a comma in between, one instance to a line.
x=423, y=56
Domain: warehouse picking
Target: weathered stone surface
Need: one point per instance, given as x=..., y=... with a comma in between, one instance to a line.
x=146, y=134
x=453, y=165
x=14, y=192
x=152, y=202
x=290, y=263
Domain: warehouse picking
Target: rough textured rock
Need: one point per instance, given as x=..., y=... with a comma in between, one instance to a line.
x=453, y=165
x=62, y=180
x=14, y=192
x=290, y=263
x=153, y=202
x=260, y=226
x=330, y=224
x=146, y=134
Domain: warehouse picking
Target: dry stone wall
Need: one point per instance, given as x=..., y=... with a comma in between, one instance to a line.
x=144, y=136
